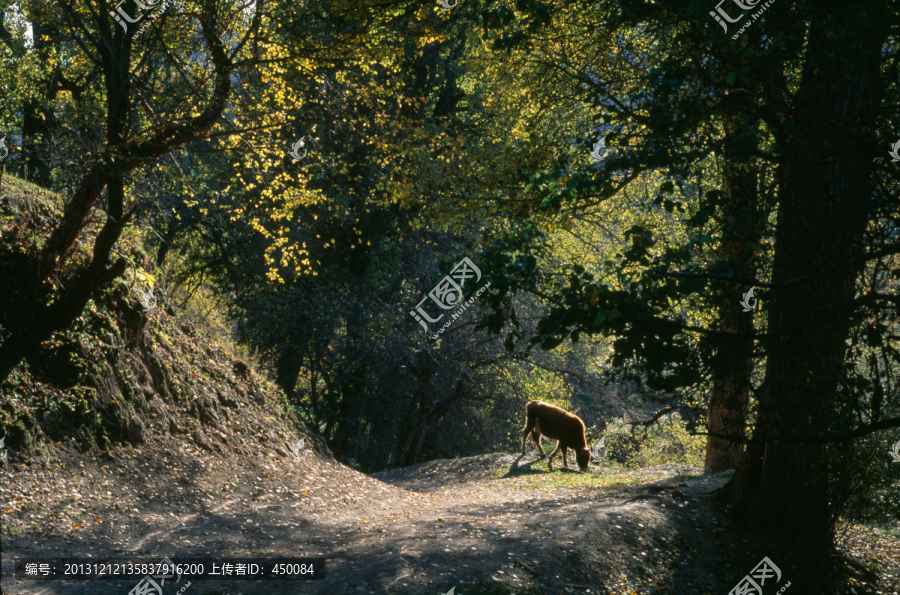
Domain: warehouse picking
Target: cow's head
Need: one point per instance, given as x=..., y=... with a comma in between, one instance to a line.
x=583, y=457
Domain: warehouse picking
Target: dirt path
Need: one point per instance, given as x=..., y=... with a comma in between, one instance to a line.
x=467, y=523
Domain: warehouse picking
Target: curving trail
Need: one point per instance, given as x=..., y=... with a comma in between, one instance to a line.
x=495, y=519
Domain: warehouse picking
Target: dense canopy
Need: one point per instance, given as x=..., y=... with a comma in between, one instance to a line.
x=673, y=209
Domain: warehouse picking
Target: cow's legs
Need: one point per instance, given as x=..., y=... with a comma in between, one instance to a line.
x=553, y=454
x=530, y=422
x=565, y=462
x=536, y=438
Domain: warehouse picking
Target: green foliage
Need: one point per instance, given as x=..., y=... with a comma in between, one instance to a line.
x=428, y=140
x=665, y=442
x=871, y=481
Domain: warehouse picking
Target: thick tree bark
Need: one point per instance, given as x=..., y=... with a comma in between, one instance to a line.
x=825, y=179
x=727, y=412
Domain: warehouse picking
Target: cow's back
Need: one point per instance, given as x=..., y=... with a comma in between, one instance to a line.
x=557, y=423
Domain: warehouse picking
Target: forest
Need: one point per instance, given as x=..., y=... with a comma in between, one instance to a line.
x=680, y=221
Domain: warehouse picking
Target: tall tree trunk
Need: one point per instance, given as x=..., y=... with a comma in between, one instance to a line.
x=40, y=321
x=733, y=361
x=287, y=371
x=825, y=181
x=34, y=320
x=352, y=392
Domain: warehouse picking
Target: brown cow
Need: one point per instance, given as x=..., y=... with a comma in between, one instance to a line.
x=558, y=424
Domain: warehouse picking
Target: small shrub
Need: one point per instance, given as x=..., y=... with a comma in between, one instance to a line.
x=667, y=441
